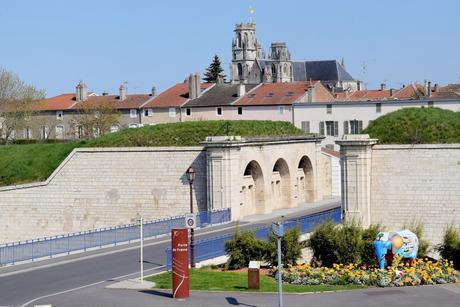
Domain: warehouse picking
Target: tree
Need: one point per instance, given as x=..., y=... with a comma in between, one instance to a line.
x=94, y=119
x=214, y=71
x=17, y=100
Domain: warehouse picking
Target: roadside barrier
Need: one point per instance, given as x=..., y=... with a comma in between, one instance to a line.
x=49, y=247
x=215, y=247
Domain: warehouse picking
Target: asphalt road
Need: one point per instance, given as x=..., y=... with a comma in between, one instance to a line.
x=27, y=283
x=424, y=296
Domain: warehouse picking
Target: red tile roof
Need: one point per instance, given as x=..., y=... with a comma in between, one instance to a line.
x=131, y=101
x=275, y=93
x=174, y=96
x=61, y=102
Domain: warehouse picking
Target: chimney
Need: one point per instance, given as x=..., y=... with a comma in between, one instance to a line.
x=359, y=86
x=82, y=92
x=153, y=91
x=425, y=89
x=241, y=89
x=347, y=95
x=391, y=92
x=198, y=84
x=429, y=88
x=382, y=86
x=194, y=88
x=310, y=93
x=436, y=88
x=122, y=91
x=105, y=94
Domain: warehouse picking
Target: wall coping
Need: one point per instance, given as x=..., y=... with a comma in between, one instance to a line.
x=415, y=146
x=373, y=102
x=99, y=150
x=238, y=141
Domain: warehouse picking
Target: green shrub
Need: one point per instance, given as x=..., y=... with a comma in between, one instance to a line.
x=368, y=252
x=347, y=243
x=323, y=243
x=290, y=247
x=415, y=126
x=243, y=248
x=450, y=247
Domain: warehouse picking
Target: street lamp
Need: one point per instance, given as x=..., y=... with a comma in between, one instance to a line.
x=191, y=177
x=141, y=224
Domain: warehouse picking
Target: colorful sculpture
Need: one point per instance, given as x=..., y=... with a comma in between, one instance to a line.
x=388, y=244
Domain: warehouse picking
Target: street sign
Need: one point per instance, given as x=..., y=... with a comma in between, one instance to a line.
x=190, y=220
x=179, y=253
x=278, y=229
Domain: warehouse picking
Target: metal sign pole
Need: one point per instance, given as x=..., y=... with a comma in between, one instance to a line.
x=280, y=284
x=142, y=250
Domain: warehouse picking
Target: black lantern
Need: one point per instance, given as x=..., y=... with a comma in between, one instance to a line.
x=190, y=175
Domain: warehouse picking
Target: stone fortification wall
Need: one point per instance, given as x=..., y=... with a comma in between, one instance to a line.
x=416, y=183
x=401, y=185
x=102, y=187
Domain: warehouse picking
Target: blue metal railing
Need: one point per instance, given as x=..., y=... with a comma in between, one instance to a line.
x=12, y=253
x=214, y=247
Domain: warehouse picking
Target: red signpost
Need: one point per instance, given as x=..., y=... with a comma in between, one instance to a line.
x=179, y=247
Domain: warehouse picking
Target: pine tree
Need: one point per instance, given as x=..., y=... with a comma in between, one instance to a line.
x=214, y=70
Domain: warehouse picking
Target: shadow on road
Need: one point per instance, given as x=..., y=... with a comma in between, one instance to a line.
x=157, y=293
x=233, y=301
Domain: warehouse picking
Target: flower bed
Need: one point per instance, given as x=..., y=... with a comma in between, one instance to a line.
x=423, y=273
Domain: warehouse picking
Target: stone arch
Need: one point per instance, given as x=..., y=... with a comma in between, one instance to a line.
x=281, y=184
x=305, y=180
x=239, y=40
x=246, y=40
x=253, y=189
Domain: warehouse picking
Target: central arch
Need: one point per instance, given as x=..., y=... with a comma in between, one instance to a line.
x=281, y=185
x=305, y=180
x=253, y=189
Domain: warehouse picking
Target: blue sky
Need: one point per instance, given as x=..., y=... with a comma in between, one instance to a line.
x=55, y=43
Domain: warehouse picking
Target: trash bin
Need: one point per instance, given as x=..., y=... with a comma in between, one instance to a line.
x=254, y=275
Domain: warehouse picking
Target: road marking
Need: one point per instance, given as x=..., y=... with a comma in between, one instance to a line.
x=89, y=285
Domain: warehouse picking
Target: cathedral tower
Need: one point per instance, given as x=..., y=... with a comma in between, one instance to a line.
x=281, y=63
x=245, y=51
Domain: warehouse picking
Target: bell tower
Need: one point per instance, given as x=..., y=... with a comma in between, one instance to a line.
x=245, y=50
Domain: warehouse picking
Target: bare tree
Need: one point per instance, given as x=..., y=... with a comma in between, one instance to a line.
x=94, y=119
x=17, y=100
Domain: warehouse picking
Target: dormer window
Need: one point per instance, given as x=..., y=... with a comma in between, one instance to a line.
x=270, y=95
x=59, y=115
x=251, y=95
x=290, y=94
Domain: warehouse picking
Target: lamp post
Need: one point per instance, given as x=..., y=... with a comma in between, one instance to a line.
x=191, y=177
x=141, y=228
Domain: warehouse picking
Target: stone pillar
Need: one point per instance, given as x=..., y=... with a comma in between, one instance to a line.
x=317, y=172
x=356, y=157
x=222, y=163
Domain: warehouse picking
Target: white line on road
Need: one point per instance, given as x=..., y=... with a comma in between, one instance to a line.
x=89, y=285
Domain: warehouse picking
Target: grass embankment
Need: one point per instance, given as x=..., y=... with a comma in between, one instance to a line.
x=35, y=162
x=209, y=280
x=416, y=126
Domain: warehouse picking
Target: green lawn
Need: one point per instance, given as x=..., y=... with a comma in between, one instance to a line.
x=203, y=279
x=35, y=162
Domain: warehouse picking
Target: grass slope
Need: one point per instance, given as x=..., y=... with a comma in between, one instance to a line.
x=35, y=162
x=416, y=126
x=203, y=279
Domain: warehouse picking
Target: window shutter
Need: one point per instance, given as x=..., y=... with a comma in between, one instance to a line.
x=321, y=128
x=305, y=126
x=360, y=126
x=336, y=128
x=345, y=127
